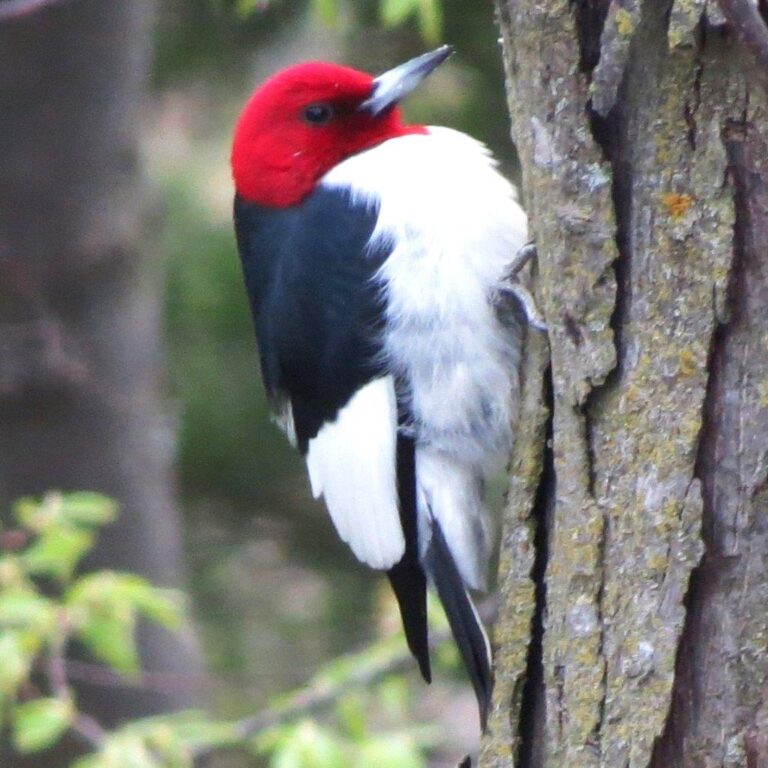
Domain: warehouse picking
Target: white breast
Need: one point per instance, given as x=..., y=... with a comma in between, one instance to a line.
x=455, y=224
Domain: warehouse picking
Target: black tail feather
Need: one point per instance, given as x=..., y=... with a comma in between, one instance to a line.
x=407, y=577
x=410, y=587
x=462, y=617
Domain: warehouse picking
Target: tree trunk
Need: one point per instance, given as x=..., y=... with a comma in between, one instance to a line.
x=80, y=302
x=640, y=641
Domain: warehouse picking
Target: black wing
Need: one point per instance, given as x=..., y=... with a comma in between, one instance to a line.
x=316, y=304
x=310, y=273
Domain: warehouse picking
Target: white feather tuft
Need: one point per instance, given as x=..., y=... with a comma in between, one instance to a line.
x=351, y=463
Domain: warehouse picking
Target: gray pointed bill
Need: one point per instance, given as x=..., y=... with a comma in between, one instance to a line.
x=394, y=84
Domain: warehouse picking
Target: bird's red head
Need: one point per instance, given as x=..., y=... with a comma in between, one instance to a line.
x=306, y=119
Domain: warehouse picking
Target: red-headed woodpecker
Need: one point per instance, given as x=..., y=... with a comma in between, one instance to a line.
x=374, y=253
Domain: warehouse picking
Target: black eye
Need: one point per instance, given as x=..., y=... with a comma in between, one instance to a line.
x=318, y=114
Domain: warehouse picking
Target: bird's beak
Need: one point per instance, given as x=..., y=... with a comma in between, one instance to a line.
x=389, y=88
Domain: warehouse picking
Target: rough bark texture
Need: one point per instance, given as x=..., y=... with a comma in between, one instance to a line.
x=643, y=137
x=79, y=301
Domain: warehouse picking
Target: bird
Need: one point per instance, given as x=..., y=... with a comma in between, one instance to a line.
x=374, y=255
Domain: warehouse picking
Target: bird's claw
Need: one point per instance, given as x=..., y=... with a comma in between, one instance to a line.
x=521, y=258
x=515, y=289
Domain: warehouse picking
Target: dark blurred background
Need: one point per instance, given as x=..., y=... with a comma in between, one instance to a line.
x=169, y=364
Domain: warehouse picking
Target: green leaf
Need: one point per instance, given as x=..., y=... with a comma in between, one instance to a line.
x=23, y=608
x=163, y=606
x=110, y=635
x=163, y=741
x=85, y=508
x=352, y=713
x=309, y=746
x=393, y=750
x=429, y=14
x=57, y=552
x=12, y=572
x=88, y=508
x=103, y=621
x=194, y=730
x=431, y=20
x=36, y=514
x=99, y=760
x=394, y=695
x=114, y=591
x=327, y=11
x=245, y=8
x=395, y=12
x=104, y=607
x=17, y=650
x=174, y=736
x=38, y=724
x=122, y=750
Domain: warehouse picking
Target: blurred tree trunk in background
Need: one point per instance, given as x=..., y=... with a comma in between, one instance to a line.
x=80, y=324
x=643, y=136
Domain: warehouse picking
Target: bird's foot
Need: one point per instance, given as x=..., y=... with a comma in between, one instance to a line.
x=522, y=257
x=513, y=288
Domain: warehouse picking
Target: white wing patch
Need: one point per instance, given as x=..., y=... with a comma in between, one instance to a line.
x=351, y=464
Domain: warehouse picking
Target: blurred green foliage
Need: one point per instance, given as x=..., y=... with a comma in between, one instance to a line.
x=196, y=38
x=45, y=609
x=225, y=431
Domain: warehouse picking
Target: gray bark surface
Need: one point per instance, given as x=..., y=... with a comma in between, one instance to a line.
x=80, y=356
x=641, y=127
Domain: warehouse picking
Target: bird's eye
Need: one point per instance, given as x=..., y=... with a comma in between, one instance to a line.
x=318, y=114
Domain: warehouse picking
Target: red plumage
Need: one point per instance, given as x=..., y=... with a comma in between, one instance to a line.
x=278, y=156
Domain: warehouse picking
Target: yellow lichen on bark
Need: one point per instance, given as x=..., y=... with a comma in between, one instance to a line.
x=625, y=508
x=512, y=631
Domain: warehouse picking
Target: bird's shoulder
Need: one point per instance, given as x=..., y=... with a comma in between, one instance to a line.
x=441, y=190
x=310, y=276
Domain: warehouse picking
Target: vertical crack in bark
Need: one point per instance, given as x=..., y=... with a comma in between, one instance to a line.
x=532, y=699
x=669, y=748
x=692, y=107
x=590, y=20
x=606, y=132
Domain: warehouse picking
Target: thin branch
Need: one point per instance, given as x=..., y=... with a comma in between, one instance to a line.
x=83, y=726
x=750, y=27
x=17, y=9
x=13, y=540
x=56, y=666
x=89, y=730
x=322, y=694
x=157, y=682
x=312, y=700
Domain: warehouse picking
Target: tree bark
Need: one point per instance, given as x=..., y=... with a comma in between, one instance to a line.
x=641, y=127
x=80, y=357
